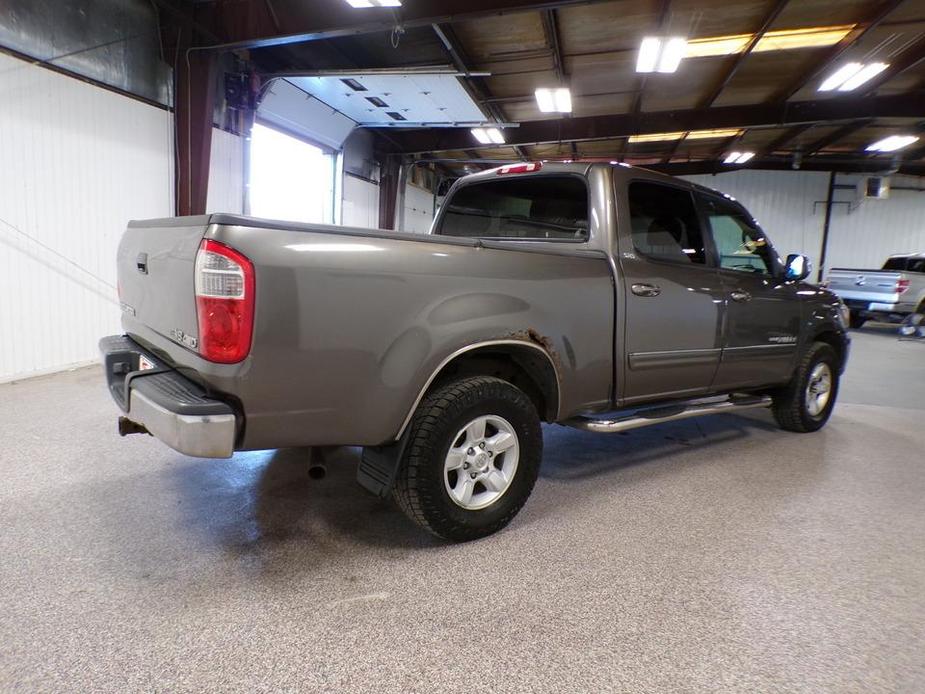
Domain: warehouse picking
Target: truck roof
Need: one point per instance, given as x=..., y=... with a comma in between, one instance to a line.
x=621, y=171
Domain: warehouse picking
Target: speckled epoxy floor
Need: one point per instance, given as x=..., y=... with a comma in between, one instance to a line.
x=710, y=555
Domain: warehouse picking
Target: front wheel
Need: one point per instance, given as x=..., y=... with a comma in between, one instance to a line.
x=472, y=458
x=806, y=403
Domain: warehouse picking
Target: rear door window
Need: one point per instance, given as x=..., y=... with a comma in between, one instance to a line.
x=664, y=223
x=529, y=208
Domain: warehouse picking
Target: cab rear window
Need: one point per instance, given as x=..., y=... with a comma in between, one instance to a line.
x=532, y=208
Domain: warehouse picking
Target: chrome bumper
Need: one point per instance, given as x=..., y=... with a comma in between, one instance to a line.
x=162, y=402
x=200, y=436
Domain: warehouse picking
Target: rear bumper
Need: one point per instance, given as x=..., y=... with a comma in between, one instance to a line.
x=165, y=403
x=874, y=307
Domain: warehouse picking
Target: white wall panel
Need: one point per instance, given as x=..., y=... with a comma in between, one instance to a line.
x=76, y=163
x=860, y=236
x=226, y=173
x=419, y=209
x=361, y=203
x=875, y=229
x=782, y=202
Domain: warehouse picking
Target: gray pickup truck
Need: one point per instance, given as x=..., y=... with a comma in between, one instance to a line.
x=889, y=294
x=594, y=296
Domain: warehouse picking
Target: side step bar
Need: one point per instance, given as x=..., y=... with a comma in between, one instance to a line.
x=670, y=413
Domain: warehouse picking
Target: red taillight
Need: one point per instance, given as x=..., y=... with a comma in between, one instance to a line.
x=520, y=168
x=224, y=302
x=902, y=285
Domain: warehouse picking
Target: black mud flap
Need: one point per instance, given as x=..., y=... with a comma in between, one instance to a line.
x=379, y=466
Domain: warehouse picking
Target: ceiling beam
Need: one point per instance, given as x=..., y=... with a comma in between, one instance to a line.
x=338, y=22
x=621, y=125
x=551, y=31
x=786, y=164
x=476, y=86
x=912, y=56
x=836, y=135
x=737, y=62
x=786, y=138
x=873, y=21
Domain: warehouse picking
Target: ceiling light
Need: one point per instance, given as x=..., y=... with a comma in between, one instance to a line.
x=656, y=137
x=780, y=40
x=488, y=136
x=672, y=54
x=892, y=143
x=550, y=100
x=840, y=76
x=373, y=3
x=692, y=135
x=660, y=55
x=738, y=157
x=865, y=75
x=717, y=133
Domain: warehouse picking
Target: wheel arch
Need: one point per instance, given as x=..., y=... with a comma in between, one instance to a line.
x=525, y=365
x=836, y=340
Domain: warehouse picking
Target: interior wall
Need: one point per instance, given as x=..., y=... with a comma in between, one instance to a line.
x=790, y=206
x=79, y=162
x=783, y=203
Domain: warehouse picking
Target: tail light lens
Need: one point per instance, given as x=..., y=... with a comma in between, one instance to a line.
x=224, y=302
x=902, y=285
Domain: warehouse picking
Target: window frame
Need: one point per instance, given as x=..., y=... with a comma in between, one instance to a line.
x=709, y=252
x=444, y=208
x=777, y=272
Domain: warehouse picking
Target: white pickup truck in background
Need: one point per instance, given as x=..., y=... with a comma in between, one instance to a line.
x=889, y=294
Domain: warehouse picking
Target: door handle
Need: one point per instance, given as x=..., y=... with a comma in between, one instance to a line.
x=740, y=295
x=141, y=262
x=646, y=289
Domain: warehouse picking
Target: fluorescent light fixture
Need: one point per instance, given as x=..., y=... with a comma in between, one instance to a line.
x=656, y=137
x=692, y=135
x=563, y=100
x=545, y=100
x=649, y=50
x=672, y=54
x=713, y=134
x=373, y=3
x=660, y=55
x=840, y=76
x=865, y=75
x=892, y=143
x=552, y=100
x=780, y=40
x=738, y=157
x=488, y=136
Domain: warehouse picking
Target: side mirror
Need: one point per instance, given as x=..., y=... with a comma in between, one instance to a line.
x=798, y=267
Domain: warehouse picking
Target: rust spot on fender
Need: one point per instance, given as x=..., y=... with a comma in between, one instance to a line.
x=531, y=335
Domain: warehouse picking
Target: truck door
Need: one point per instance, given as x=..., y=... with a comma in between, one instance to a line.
x=674, y=297
x=763, y=308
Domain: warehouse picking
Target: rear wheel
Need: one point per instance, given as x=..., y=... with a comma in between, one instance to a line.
x=472, y=458
x=855, y=321
x=806, y=403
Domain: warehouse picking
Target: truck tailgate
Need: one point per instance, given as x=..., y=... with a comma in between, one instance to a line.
x=156, y=263
x=870, y=286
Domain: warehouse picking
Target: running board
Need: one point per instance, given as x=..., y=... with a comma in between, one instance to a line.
x=670, y=413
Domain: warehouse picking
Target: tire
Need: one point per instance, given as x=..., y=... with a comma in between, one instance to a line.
x=441, y=438
x=855, y=321
x=797, y=406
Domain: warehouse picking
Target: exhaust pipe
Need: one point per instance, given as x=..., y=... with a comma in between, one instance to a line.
x=317, y=468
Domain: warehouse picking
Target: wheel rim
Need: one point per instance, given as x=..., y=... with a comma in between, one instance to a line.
x=818, y=389
x=481, y=463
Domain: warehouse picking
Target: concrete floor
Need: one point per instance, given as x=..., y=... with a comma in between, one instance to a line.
x=711, y=555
